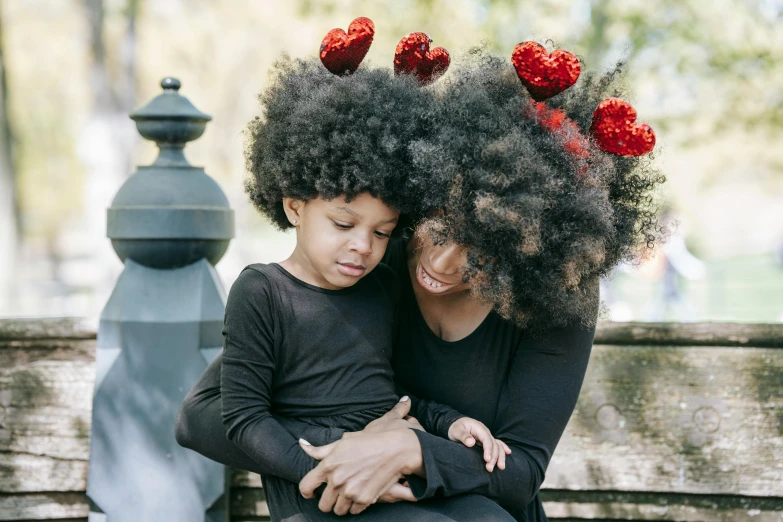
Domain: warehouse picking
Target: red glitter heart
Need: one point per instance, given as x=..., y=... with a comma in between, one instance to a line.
x=414, y=56
x=544, y=75
x=342, y=53
x=615, y=130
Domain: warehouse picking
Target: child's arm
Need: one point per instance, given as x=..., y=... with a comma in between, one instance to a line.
x=434, y=417
x=471, y=431
x=246, y=381
x=448, y=423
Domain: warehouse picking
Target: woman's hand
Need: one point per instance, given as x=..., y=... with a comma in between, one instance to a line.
x=396, y=418
x=362, y=470
x=396, y=493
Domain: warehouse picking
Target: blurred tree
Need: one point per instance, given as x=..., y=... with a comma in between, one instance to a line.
x=113, y=91
x=693, y=48
x=9, y=204
x=108, y=137
x=707, y=76
x=700, y=51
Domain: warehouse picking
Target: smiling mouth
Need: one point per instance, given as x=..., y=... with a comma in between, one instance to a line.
x=430, y=282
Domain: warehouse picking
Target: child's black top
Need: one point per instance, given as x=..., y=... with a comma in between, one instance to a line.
x=304, y=353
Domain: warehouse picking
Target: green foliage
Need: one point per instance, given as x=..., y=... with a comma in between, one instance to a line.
x=731, y=49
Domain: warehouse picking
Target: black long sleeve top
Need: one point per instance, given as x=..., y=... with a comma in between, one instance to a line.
x=523, y=387
x=299, y=359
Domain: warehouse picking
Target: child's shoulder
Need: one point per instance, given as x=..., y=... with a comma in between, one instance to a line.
x=253, y=279
x=252, y=293
x=256, y=272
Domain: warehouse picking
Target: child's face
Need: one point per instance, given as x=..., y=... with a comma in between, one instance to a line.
x=339, y=242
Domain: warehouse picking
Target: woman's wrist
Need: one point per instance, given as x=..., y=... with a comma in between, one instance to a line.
x=410, y=453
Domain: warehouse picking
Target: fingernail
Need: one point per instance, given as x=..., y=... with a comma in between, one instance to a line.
x=404, y=399
x=302, y=441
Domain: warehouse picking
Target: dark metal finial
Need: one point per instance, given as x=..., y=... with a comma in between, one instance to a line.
x=169, y=83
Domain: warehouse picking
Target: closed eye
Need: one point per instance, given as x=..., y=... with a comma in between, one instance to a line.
x=343, y=226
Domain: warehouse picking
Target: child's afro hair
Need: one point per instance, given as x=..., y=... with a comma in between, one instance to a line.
x=542, y=214
x=323, y=135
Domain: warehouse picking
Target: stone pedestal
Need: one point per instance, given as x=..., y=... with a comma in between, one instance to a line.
x=170, y=223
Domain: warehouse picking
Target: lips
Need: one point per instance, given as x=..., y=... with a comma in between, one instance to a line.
x=431, y=284
x=351, y=269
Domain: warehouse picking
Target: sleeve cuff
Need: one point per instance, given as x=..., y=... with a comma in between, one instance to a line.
x=446, y=422
x=424, y=488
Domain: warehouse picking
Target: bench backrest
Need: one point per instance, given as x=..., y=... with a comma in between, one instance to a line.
x=674, y=422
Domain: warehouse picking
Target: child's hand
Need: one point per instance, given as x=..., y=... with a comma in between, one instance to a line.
x=468, y=431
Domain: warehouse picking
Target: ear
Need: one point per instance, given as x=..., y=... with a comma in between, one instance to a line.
x=293, y=210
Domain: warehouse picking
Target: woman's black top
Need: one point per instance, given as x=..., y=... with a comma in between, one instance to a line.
x=523, y=387
x=298, y=356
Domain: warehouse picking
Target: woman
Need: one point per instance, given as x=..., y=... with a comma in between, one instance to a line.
x=499, y=299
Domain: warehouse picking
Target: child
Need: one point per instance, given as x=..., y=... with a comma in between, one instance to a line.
x=308, y=341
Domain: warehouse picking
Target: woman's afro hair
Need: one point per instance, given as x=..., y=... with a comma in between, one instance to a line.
x=323, y=135
x=542, y=214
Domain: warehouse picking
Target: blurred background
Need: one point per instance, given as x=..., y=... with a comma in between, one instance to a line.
x=708, y=76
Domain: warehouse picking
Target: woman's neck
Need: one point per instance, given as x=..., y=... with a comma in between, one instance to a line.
x=451, y=317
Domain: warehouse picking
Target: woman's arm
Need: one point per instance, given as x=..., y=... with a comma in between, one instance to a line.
x=363, y=468
x=246, y=381
x=199, y=426
x=537, y=400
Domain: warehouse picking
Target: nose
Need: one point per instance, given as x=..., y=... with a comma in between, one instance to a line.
x=446, y=259
x=361, y=244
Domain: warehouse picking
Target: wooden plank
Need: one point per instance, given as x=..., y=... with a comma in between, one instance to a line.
x=48, y=506
x=674, y=419
x=619, y=511
x=571, y=519
x=18, y=353
x=245, y=479
x=248, y=502
x=691, y=334
x=590, y=505
x=23, y=473
x=52, y=432
x=45, y=405
x=46, y=328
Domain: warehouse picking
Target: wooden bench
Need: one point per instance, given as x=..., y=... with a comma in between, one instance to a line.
x=676, y=422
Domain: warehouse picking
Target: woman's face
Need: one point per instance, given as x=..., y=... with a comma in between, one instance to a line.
x=440, y=267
